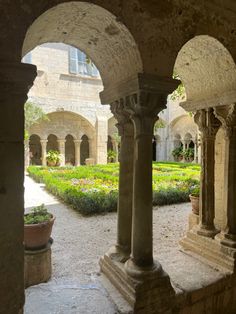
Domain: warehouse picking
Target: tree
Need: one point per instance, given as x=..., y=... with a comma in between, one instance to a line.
x=179, y=93
x=33, y=114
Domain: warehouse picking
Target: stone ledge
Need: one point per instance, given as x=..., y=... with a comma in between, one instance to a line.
x=154, y=295
x=210, y=251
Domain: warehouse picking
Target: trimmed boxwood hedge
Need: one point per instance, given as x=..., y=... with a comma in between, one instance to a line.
x=94, y=189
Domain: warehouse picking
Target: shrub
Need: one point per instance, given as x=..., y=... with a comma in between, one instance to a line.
x=37, y=215
x=94, y=189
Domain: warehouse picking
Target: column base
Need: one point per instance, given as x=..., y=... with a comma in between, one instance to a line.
x=206, y=232
x=227, y=239
x=211, y=251
x=148, y=291
x=193, y=220
x=118, y=254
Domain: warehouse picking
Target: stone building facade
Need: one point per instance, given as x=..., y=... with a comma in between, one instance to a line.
x=136, y=46
x=67, y=88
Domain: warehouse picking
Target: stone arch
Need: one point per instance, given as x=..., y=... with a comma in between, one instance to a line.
x=69, y=150
x=177, y=141
x=63, y=123
x=52, y=143
x=207, y=71
x=84, y=149
x=182, y=125
x=35, y=150
x=101, y=36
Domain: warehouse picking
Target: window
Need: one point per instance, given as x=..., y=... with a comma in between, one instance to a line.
x=78, y=63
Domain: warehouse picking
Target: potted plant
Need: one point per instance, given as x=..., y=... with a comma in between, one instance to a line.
x=111, y=155
x=194, y=198
x=37, y=227
x=188, y=154
x=53, y=158
x=177, y=153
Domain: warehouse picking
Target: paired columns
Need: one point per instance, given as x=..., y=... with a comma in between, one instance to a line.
x=227, y=116
x=208, y=125
x=61, y=146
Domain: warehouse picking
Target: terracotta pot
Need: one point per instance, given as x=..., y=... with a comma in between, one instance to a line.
x=51, y=163
x=195, y=204
x=36, y=236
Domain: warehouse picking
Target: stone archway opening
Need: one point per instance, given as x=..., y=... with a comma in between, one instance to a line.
x=96, y=32
x=52, y=143
x=69, y=150
x=84, y=149
x=35, y=150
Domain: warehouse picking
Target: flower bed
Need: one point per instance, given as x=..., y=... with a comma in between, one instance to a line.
x=94, y=189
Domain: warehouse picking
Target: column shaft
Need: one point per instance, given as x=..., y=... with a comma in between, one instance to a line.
x=61, y=145
x=77, y=152
x=44, y=152
x=124, y=220
x=208, y=125
x=142, y=252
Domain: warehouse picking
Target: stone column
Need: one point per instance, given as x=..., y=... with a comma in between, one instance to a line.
x=125, y=200
x=195, y=150
x=227, y=116
x=44, y=151
x=143, y=109
x=77, y=152
x=15, y=81
x=61, y=146
x=208, y=125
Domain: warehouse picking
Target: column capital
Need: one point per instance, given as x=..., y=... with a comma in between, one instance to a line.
x=43, y=141
x=77, y=141
x=16, y=78
x=227, y=116
x=207, y=122
x=61, y=140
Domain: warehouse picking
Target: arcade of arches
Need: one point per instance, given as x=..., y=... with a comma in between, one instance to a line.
x=136, y=45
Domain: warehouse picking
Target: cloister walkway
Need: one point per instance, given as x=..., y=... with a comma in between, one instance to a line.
x=76, y=286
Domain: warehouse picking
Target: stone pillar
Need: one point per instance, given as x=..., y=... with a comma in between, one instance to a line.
x=227, y=116
x=44, y=151
x=15, y=81
x=101, y=140
x=196, y=150
x=61, y=146
x=125, y=200
x=77, y=152
x=27, y=153
x=208, y=125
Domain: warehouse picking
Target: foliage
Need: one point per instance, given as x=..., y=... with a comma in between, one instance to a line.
x=177, y=152
x=94, y=189
x=33, y=114
x=53, y=156
x=37, y=215
x=179, y=93
x=188, y=153
x=160, y=124
x=111, y=155
x=195, y=190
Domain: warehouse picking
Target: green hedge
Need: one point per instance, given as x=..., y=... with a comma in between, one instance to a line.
x=94, y=189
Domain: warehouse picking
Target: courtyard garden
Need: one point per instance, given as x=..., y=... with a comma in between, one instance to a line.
x=94, y=189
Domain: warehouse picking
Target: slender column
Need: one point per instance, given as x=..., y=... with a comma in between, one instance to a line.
x=61, y=145
x=227, y=115
x=77, y=152
x=144, y=108
x=208, y=125
x=27, y=153
x=15, y=81
x=44, y=151
x=125, y=199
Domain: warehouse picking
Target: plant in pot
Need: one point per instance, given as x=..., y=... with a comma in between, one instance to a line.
x=37, y=227
x=53, y=158
x=188, y=154
x=194, y=198
x=177, y=153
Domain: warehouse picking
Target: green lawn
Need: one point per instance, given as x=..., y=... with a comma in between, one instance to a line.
x=94, y=189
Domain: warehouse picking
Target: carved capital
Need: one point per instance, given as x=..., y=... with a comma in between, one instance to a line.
x=227, y=116
x=207, y=122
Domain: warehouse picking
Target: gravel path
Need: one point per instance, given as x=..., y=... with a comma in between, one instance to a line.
x=80, y=241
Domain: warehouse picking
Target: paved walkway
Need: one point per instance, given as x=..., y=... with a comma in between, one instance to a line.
x=75, y=287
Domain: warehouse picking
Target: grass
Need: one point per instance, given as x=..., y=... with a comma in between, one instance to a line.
x=94, y=189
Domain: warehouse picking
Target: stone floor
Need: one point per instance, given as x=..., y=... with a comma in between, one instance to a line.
x=76, y=286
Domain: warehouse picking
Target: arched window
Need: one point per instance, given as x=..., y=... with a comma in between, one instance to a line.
x=69, y=150
x=84, y=149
